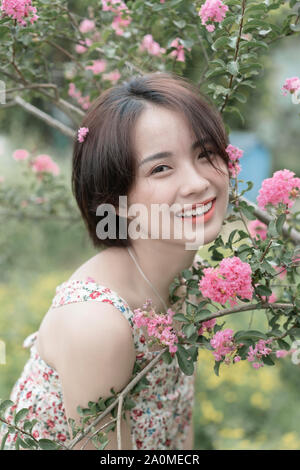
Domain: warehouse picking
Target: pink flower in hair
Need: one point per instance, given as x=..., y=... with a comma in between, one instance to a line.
x=82, y=132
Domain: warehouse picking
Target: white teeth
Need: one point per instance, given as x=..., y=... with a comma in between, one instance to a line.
x=199, y=211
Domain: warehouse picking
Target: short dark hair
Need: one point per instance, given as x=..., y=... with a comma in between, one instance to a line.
x=104, y=165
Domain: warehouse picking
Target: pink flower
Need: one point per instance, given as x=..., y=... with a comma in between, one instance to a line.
x=291, y=84
x=86, y=26
x=80, y=49
x=158, y=326
x=234, y=154
x=112, y=76
x=20, y=154
x=281, y=270
x=84, y=101
x=151, y=46
x=82, y=132
x=19, y=9
x=237, y=359
x=118, y=23
x=179, y=53
x=107, y=5
x=207, y=326
x=223, y=343
x=44, y=163
x=97, y=67
x=212, y=10
x=256, y=227
x=258, y=351
x=281, y=353
x=231, y=279
x=283, y=187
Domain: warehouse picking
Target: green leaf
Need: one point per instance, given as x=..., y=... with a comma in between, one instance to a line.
x=46, y=444
x=180, y=317
x=263, y=290
x=3, y=441
x=233, y=67
x=20, y=415
x=279, y=223
x=234, y=109
x=247, y=210
x=268, y=360
x=217, y=367
x=180, y=24
x=240, y=97
x=202, y=314
x=167, y=358
x=250, y=334
x=272, y=230
x=283, y=344
x=4, y=405
x=185, y=361
x=188, y=330
x=220, y=42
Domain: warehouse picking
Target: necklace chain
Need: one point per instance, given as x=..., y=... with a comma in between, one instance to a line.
x=146, y=279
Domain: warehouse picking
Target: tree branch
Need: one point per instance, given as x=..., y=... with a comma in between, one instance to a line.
x=45, y=117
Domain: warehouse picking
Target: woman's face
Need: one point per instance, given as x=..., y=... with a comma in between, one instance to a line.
x=178, y=181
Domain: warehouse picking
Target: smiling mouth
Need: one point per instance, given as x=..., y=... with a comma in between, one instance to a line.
x=202, y=210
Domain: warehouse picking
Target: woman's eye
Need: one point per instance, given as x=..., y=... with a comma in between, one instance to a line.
x=204, y=154
x=159, y=166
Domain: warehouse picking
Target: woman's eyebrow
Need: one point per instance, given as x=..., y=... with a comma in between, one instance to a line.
x=156, y=156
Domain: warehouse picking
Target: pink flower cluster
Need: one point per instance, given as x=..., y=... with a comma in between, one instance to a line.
x=82, y=132
x=256, y=353
x=97, y=67
x=256, y=227
x=118, y=22
x=231, y=279
x=112, y=76
x=44, y=163
x=159, y=326
x=234, y=154
x=179, y=52
x=19, y=9
x=223, y=345
x=84, y=101
x=151, y=46
x=86, y=26
x=283, y=187
x=292, y=85
x=41, y=163
x=212, y=11
x=207, y=326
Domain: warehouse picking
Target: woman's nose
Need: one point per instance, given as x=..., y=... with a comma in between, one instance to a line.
x=191, y=181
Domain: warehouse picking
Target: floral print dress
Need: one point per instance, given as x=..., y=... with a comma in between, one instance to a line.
x=162, y=414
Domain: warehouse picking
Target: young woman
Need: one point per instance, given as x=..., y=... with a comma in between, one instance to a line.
x=155, y=140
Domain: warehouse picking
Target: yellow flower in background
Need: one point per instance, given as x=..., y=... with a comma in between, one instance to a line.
x=258, y=400
x=268, y=379
x=236, y=433
x=209, y=413
x=290, y=440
